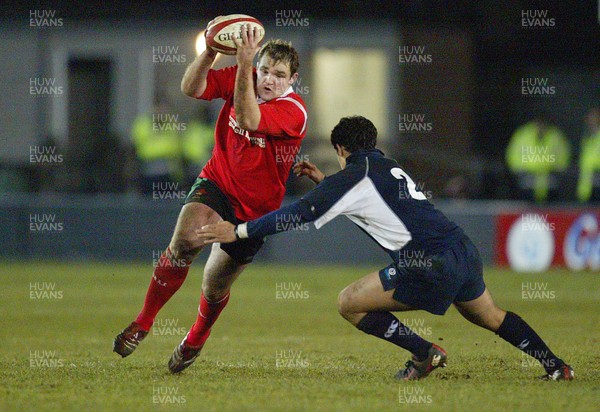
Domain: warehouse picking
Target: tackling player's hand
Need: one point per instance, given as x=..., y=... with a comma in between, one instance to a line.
x=308, y=169
x=222, y=232
x=247, y=46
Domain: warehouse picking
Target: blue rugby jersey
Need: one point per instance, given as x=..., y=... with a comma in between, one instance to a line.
x=379, y=197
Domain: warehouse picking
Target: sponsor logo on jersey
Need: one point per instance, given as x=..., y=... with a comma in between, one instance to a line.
x=254, y=141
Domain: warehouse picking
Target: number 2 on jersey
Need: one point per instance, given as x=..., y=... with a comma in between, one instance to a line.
x=410, y=184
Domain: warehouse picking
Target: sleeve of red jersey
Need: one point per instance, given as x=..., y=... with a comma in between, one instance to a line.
x=219, y=84
x=284, y=117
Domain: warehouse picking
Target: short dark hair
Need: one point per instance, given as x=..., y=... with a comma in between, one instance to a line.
x=354, y=133
x=281, y=51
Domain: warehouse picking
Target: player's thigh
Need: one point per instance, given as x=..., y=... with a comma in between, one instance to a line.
x=367, y=295
x=220, y=271
x=482, y=311
x=191, y=218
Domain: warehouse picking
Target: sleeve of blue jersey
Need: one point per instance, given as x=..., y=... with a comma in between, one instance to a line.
x=278, y=221
x=312, y=206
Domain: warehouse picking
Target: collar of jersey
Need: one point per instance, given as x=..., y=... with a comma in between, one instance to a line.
x=290, y=89
x=360, y=154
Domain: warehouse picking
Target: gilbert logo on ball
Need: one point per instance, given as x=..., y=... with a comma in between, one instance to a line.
x=221, y=31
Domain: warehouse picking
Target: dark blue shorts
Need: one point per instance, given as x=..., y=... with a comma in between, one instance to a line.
x=433, y=283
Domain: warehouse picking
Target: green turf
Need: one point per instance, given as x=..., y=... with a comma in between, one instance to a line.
x=278, y=354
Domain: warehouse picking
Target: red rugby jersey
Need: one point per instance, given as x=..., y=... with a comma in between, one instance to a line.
x=251, y=168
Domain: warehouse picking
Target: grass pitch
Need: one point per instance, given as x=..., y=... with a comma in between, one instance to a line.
x=279, y=345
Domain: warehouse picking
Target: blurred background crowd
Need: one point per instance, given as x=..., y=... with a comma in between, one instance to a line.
x=479, y=100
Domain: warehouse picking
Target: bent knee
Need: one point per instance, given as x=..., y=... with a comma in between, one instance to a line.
x=347, y=307
x=345, y=302
x=182, y=248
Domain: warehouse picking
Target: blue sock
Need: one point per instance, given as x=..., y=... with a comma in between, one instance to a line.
x=518, y=333
x=386, y=326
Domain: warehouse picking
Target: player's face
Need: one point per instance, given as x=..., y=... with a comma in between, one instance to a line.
x=273, y=79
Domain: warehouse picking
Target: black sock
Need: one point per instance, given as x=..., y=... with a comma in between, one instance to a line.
x=386, y=326
x=518, y=333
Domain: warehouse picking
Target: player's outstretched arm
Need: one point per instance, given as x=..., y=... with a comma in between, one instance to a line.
x=314, y=205
x=247, y=112
x=225, y=232
x=194, y=82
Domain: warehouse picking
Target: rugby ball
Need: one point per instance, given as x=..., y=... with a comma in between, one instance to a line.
x=220, y=31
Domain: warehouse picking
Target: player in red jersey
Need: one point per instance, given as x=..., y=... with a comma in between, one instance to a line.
x=261, y=123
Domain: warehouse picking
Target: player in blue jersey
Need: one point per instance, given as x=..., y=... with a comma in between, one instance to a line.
x=434, y=262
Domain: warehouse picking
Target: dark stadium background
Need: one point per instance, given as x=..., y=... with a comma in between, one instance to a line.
x=470, y=93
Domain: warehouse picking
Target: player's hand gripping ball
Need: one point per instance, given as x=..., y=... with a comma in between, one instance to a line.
x=221, y=31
